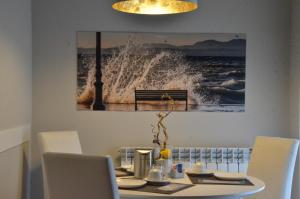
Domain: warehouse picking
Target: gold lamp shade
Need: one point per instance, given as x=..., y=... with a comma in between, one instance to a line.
x=155, y=7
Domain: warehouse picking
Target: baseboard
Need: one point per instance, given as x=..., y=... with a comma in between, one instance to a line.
x=10, y=138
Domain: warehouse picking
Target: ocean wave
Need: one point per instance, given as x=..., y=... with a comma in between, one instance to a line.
x=232, y=73
x=135, y=67
x=232, y=82
x=87, y=94
x=226, y=90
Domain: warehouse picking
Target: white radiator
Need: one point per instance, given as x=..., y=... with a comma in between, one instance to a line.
x=216, y=159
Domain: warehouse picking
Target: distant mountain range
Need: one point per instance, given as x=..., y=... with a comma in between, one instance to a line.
x=232, y=48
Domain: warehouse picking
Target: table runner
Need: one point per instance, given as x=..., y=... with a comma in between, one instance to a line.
x=166, y=189
x=211, y=179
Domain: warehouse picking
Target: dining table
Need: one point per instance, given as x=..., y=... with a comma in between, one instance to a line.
x=200, y=191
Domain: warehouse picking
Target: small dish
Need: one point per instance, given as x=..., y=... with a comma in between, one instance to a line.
x=158, y=182
x=119, y=173
x=198, y=173
x=126, y=166
x=130, y=183
x=130, y=170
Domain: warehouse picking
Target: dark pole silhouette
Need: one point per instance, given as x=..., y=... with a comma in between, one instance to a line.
x=98, y=100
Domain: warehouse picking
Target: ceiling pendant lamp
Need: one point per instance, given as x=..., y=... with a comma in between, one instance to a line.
x=155, y=7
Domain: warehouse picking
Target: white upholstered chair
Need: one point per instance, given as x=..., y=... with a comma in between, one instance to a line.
x=273, y=161
x=72, y=176
x=57, y=142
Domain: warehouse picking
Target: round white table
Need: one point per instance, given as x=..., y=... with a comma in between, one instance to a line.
x=200, y=191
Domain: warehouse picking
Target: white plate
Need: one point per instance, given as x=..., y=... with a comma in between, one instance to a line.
x=130, y=183
x=230, y=176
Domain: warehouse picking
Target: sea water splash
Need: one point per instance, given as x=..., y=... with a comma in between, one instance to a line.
x=136, y=66
x=86, y=95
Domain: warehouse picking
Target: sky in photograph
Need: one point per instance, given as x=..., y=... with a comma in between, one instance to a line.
x=114, y=39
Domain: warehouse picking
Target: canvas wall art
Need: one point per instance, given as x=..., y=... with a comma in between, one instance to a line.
x=124, y=71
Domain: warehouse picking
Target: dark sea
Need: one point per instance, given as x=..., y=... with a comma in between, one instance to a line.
x=223, y=79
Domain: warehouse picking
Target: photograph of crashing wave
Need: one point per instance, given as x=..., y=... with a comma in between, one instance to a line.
x=123, y=71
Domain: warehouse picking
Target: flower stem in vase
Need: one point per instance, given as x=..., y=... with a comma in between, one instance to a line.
x=166, y=160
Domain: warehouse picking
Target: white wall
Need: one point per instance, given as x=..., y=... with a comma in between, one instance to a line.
x=295, y=70
x=266, y=23
x=15, y=96
x=15, y=56
x=295, y=85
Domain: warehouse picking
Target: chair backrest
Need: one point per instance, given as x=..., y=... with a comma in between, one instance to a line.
x=273, y=161
x=59, y=142
x=73, y=176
